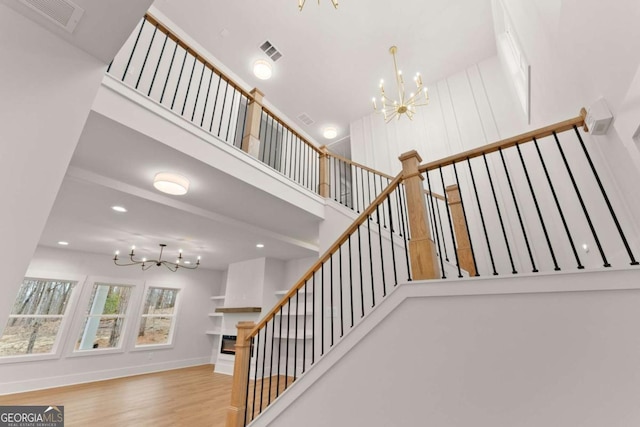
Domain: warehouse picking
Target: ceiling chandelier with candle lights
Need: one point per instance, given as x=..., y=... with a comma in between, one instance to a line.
x=148, y=263
x=302, y=2
x=406, y=104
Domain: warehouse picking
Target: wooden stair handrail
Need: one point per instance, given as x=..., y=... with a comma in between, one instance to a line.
x=173, y=36
x=329, y=252
x=506, y=143
x=436, y=195
x=351, y=162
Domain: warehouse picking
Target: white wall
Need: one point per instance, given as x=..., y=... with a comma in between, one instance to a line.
x=47, y=89
x=191, y=345
x=558, y=351
x=466, y=110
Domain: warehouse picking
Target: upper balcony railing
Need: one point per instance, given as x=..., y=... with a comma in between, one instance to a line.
x=157, y=63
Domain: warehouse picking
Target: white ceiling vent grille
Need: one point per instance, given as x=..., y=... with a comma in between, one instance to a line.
x=271, y=51
x=304, y=118
x=63, y=12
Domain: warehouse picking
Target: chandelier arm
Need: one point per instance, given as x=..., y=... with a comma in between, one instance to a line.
x=415, y=96
x=335, y=3
x=115, y=261
x=148, y=266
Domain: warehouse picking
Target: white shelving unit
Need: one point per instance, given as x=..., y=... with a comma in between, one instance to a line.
x=215, y=328
x=300, y=333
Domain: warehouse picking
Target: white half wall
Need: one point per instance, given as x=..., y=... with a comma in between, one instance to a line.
x=191, y=346
x=557, y=350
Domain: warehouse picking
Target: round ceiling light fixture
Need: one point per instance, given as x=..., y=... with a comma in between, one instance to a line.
x=262, y=69
x=171, y=183
x=330, y=133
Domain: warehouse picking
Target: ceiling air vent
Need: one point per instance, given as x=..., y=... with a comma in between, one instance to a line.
x=304, y=118
x=271, y=51
x=63, y=12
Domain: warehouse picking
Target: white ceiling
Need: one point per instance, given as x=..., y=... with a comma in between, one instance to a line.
x=333, y=59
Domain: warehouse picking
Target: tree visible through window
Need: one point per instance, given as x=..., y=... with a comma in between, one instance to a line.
x=105, y=317
x=158, y=316
x=36, y=316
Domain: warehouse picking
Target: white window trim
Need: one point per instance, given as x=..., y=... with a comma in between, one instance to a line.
x=81, y=314
x=176, y=310
x=65, y=324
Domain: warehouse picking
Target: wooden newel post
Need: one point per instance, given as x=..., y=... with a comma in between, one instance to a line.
x=235, y=412
x=422, y=251
x=463, y=240
x=324, y=188
x=251, y=137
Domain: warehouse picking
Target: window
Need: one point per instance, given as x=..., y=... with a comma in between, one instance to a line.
x=36, y=317
x=105, y=318
x=158, y=317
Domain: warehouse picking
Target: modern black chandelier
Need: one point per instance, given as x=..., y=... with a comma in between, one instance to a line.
x=148, y=263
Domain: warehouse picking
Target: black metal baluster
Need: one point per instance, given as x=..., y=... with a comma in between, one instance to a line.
x=373, y=292
x=361, y=281
x=280, y=337
x=273, y=345
x=206, y=98
x=384, y=215
x=444, y=276
x=584, y=208
x=146, y=56
x=233, y=100
x=109, y=67
x=355, y=178
x=184, y=105
x=350, y=281
x=453, y=239
x=304, y=329
x=195, y=104
x=431, y=214
x=295, y=347
x=484, y=227
x=224, y=102
x=322, y=307
x=515, y=204
x=255, y=374
x=175, y=94
x=262, y=136
x=331, y=295
x=364, y=205
x=466, y=223
x=133, y=50
x=264, y=359
x=495, y=199
x=606, y=199
x=166, y=81
x=444, y=243
x=244, y=119
x=298, y=160
x=535, y=202
x=555, y=198
x=313, y=319
x=286, y=352
x=384, y=279
x=341, y=298
x=215, y=103
x=393, y=251
x=155, y=73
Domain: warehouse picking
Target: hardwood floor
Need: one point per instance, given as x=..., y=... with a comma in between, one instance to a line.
x=190, y=397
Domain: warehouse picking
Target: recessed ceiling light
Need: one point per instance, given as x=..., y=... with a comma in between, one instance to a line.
x=262, y=69
x=63, y=243
x=119, y=208
x=330, y=133
x=260, y=245
x=171, y=183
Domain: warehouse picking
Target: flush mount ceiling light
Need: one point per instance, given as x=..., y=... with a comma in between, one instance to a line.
x=171, y=183
x=262, y=69
x=119, y=208
x=148, y=263
x=330, y=133
x=302, y=2
x=405, y=104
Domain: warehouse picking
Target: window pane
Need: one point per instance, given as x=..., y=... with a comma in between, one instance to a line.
x=109, y=299
x=42, y=297
x=100, y=332
x=160, y=301
x=154, y=330
x=29, y=336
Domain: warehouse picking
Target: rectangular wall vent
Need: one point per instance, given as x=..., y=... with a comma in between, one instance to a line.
x=271, y=51
x=62, y=12
x=304, y=118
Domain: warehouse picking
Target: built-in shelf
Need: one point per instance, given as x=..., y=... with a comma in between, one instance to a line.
x=215, y=314
x=214, y=332
x=238, y=310
x=219, y=297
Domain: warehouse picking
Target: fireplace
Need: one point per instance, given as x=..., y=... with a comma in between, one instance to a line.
x=228, y=344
